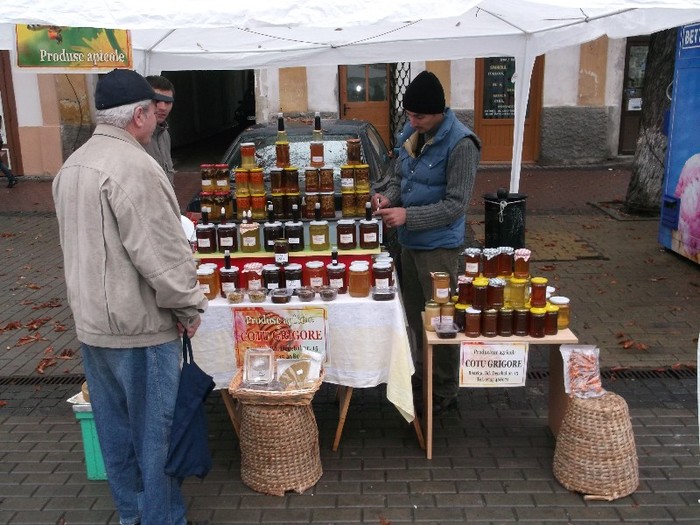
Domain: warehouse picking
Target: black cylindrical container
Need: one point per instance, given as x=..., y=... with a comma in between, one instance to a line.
x=504, y=223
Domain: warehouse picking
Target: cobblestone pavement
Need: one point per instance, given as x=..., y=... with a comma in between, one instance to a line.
x=492, y=457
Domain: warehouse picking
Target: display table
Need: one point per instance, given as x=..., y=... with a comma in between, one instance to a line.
x=557, y=396
x=367, y=346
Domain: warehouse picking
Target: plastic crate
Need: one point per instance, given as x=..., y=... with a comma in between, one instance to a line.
x=94, y=463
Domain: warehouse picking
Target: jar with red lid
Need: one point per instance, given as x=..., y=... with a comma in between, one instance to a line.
x=242, y=206
x=465, y=289
x=207, y=174
x=336, y=276
x=325, y=180
x=251, y=276
x=206, y=203
x=538, y=292
x=521, y=263
x=258, y=206
x=472, y=262
x=346, y=233
x=314, y=274
x=223, y=177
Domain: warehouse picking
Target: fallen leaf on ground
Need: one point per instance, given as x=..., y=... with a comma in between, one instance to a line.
x=35, y=324
x=29, y=339
x=12, y=325
x=3, y=403
x=66, y=353
x=619, y=335
x=58, y=327
x=657, y=279
x=548, y=267
x=33, y=286
x=627, y=343
x=641, y=346
x=44, y=364
x=48, y=350
x=26, y=302
x=53, y=303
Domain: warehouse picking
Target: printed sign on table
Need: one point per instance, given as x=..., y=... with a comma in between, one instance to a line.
x=291, y=332
x=492, y=364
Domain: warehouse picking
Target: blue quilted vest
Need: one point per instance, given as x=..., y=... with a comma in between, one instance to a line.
x=424, y=181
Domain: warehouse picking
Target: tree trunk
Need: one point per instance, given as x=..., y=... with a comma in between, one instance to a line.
x=645, y=187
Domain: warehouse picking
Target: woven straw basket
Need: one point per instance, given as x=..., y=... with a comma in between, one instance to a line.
x=279, y=439
x=595, y=452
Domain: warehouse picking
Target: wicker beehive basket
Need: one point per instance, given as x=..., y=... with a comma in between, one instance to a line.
x=279, y=439
x=595, y=452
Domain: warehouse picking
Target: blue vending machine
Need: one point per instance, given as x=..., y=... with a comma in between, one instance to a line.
x=679, y=230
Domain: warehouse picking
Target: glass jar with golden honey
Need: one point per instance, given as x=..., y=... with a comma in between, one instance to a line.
x=207, y=282
x=505, y=261
x=348, y=204
x=208, y=176
x=248, y=155
x=310, y=201
x=361, y=200
x=258, y=207
x=347, y=179
x=431, y=315
x=256, y=181
x=242, y=206
x=327, y=200
x=564, y=311
x=359, y=279
x=472, y=262
x=516, y=291
x=223, y=177
x=241, y=176
x=441, y=287
x=362, y=178
x=538, y=292
x=465, y=289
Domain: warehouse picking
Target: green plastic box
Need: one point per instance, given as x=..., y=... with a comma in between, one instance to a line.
x=94, y=463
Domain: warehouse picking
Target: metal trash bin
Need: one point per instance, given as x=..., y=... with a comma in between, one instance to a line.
x=504, y=219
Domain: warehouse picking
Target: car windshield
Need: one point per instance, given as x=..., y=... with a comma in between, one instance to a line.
x=334, y=152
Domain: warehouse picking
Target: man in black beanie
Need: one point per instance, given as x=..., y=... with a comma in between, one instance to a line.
x=426, y=199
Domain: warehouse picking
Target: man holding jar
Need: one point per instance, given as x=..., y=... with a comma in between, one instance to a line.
x=426, y=198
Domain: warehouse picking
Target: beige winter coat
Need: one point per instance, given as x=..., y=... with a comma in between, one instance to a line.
x=129, y=269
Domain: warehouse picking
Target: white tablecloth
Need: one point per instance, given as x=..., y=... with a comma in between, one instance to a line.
x=367, y=345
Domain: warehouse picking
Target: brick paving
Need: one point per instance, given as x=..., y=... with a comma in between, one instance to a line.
x=492, y=457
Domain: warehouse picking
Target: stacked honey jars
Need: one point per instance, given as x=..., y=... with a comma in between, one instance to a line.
x=216, y=191
x=497, y=296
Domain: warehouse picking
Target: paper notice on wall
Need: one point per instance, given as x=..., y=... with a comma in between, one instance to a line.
x=493, y=364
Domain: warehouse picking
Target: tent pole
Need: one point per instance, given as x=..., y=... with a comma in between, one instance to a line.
x=524, y=65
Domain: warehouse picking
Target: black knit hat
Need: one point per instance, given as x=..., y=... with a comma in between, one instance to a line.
x=121, y=87
x=424, y=95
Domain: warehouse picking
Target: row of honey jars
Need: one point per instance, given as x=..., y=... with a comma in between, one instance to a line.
x=249, y=181
x=497, y=262
x=213, y=203
x=354, y=179
x=215, y=177
x=353, y=204
x=506, y=322
x=495, y=292
x=284, y=180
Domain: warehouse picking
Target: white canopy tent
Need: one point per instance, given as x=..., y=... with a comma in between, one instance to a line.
x=221, y=34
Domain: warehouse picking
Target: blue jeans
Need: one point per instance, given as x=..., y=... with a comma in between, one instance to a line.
x=133, y=393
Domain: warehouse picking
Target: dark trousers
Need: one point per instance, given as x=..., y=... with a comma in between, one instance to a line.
x=416, y=289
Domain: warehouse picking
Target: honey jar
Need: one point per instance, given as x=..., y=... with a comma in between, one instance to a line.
x=354, y=151
x=347, y=179
x=207, y=173
x=521, y=263
x=564, y=311
x=276, y=180
x=441, y=287
x=489, y=262
x=207, y=282
x=472, y=262
x=431, y=315
x=311, y=180
x=337, y=277
x=362, y=178
x=248, y=155
x=348, y=204
x=327, y=200
x=241, y=177
x=325, y=180
x=256, y=182
x=291, y=180
x=314, y=274
x=282, y=153
x=206, y=238
x=346, y=234
x=472, y=323
x=359, y=279
x=538, y=292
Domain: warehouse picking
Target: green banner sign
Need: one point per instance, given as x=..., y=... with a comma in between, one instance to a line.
x=76, y=48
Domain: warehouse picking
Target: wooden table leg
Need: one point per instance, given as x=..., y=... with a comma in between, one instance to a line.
x=558, y=400
x=344, y=395
x=428, y=396
x=232, y=409
x=419, y=432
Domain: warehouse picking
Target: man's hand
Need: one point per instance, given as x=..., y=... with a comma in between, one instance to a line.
x=379, y=201
x=392, y=217
x=191, y=329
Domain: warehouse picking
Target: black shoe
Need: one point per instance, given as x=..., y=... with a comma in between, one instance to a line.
x=442, y=405
x=12, y=183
